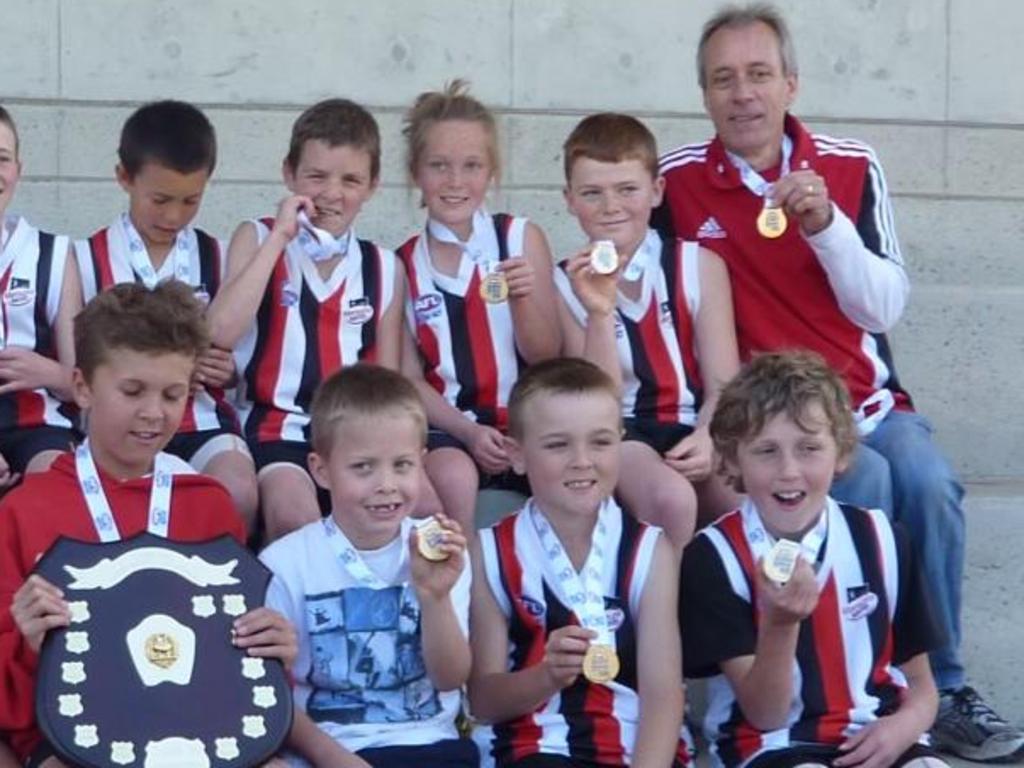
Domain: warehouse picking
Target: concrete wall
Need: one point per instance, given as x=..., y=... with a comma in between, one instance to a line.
x=928, y=82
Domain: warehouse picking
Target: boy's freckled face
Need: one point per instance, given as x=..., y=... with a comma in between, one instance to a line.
x=788, y=468
x=338, y=179
x=162, y=201
x=135, y=402
x=10, y=166
x=613, y=201
x=569, y=450
x=373, y=474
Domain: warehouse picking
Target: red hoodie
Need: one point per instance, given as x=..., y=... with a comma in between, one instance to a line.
x=50, y=504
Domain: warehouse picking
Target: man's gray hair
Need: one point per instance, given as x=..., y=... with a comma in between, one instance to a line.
x=736, y=16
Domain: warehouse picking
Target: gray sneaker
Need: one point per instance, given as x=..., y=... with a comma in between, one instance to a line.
x=970, y=728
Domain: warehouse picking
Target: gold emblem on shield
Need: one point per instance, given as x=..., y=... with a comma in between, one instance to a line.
x=161, y=650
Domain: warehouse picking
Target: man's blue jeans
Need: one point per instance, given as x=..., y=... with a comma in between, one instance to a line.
x=899, y=469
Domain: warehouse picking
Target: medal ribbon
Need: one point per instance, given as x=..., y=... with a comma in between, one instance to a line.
x=476, y=247
x=812, y=545
x=143, y=265
x=157, y=518
x=753, y=180
x=353, y=562
x=7, y=226
x=319, y=244
x=644, y=254
x=582, y=591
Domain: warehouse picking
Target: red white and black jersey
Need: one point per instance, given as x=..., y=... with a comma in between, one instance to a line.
x=872, y=615
x=306, y=329
x=468, y=346
x=586, y=721
x=31, y=276
x=104, y=261
x=781, y=293
x=655, y=335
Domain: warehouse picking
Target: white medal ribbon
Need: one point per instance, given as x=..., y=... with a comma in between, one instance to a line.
x=159, y=515
x=761, y=541
x=646, y=253
x=582, y=591
x=753, y=180
x=7, y=225
x=319, y=244
x=353, y=562
x=477, y=247
x=141, y=263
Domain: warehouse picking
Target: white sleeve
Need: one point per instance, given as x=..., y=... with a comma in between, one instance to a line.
x=568, y=295
x=460, y=595
x=863, y=261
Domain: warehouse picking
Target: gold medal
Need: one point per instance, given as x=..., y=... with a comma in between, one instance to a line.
x=781, y=560
x=161, y=650
x=771, y=222
x=429, y=538
x=494, y=288
x=601, y=663
x=603, y=258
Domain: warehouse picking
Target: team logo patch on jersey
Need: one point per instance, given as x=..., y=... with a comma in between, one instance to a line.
x=666, y=312
x=289, y=298
x=860, y=602
x=614, y=616
x=427, y=307
x=711, y=230
x=359, y=314
x=531, y=606
x=19, y=292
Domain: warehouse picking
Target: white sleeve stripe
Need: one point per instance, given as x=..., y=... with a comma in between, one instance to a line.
x=642, y=567
x=890, y=561
x=489, y=552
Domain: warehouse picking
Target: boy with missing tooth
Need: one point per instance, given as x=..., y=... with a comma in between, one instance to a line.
x=809, y=616
x=381, y=608
x=135, y=352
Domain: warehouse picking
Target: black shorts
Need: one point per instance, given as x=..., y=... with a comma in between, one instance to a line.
x=504, y=481
x=447, y=753
x=289, y=452
x=19, y=445
x=561, y=761
x=661, y=436
x=197, y=448
x=790, y=757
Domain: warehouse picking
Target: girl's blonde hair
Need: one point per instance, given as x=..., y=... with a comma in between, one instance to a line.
x=451, y=103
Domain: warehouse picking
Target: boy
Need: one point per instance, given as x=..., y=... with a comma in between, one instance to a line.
x=304, y=297
x=39, y=298
x=827, y=666
x=382, y=628
x=575, y=651
x=166, y=155
x=135, y=351
x=659, y=322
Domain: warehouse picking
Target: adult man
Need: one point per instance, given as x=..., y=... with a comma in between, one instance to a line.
x=805, y=226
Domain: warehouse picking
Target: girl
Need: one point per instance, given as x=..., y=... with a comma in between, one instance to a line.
x=481, y=297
